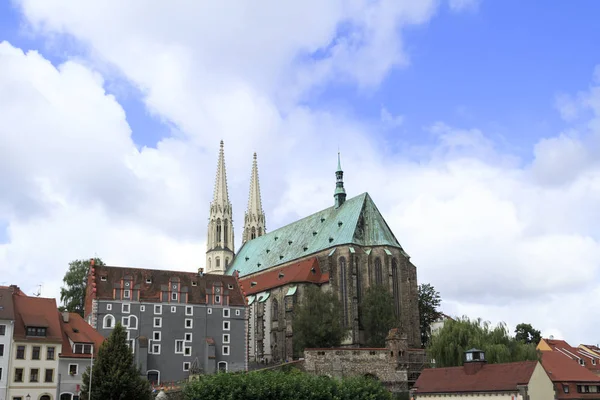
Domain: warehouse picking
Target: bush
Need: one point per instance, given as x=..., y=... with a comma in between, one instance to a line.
x=282, y=386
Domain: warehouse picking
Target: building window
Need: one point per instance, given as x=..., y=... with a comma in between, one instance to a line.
x=73, y=369
x=126, y=308
x=230, y=286
x=188, y=337
x=237, y=313
x=174, y=296
x=189, y=323
x=35, y=353
x=108, y=321
x=581, y=361
x=225, y=325
x=194, y=283
x=2, y=330
x=20, y=353
x=187, y=351
x=222, y=366
x=218, y=236
x=155, y=348
x=217, y=299
x=18, y=375
x=566, y=388
x=173, y=309
x=125, y=322
x=226, y=313
x=396, y=287
x=109, y=307
x=142, y=308
x=126, y=294
x=148, y=281
x=209, y=310
x=1, y=350
x=274, y=310
x=186, y=366
x=50, y=353
x=34, y=375
x=0, y=374
x=49, y=376
x=344, y=288
x=157, y=309
x=103, y=278
x=157, y=322
x=133, y=322
x=226, y=338
x=217, y=262
x=178, y=346
x=225, y=350
x=189, y=310
x=32, y=331
x=81, y=348
x=157, y=336
x=378, y=272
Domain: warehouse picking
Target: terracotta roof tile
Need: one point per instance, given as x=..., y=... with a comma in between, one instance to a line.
x=490, y=378
x=150, y=292
x=38, y=312
x=561, y=368
x=592, y=361
x=76, y=330
x=307, y=270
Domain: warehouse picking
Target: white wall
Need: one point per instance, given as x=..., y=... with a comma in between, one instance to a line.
x=5, y=340
x=37, y=389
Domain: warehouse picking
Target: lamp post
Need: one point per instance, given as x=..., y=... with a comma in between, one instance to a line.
x=28, y=397
x=91, y=366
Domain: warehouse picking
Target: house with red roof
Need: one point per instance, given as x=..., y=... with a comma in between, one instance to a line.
x=475, y=379
x=80, y=345
x=585, y=358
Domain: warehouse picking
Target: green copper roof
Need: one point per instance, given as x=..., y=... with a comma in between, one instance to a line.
x=356, y=221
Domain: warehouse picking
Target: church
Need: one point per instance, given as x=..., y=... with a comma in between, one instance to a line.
x=346, y=248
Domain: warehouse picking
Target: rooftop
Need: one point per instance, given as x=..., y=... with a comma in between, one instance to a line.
x=561, y=368
x=36, y=312
x=356, y=221
x=77, y=330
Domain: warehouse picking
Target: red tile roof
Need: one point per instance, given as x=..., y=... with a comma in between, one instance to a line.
x=562, y=368
x=592, y=361
x=76, y=330
x=307, y=270
x=490, y=378
x=37, y=312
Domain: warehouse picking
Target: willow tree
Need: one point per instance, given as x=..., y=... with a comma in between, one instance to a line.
x=447, y=347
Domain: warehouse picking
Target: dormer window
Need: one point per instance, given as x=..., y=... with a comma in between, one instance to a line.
x=103, y=278
x=36, y=331
x=126, y=294
x=148, y=280
x=174, y=296
x=81, y=348
x=581, y=361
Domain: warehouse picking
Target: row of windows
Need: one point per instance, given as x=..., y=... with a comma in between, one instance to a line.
x=36, y=352
x=189, y=310
x=131, y=322
x=34, y=375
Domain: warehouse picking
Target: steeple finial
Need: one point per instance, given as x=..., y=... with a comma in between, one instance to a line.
x=254, y=221
x=340, y=193
x=221, y=194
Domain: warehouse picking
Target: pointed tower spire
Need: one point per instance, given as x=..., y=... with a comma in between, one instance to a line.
x=340, y=193
x=254, y=220
x=220, y=244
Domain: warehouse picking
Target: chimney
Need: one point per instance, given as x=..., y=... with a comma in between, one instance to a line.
x=65, y=316
x=474, y=361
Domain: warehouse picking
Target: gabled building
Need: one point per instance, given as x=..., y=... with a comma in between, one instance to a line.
x=37, y=341
x=584, y=358
x=79, y=342
x=177, y=322
x=7, y=320
x=571, y=380
x=526, y=380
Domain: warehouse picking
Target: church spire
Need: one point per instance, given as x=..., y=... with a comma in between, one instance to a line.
x=254, y=220
x=340, y=192
x=219, y=243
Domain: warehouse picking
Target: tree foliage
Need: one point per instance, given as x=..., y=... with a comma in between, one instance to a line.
x=377, y=317
x=527, y=334
x=72, y=294
x=429, y=302
x=318, y=320
x=281, y=386
x=447, y=347
x=114, y=375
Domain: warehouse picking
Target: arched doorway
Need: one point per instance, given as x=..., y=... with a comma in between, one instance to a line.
x=66, y=396
x=153, y=377
x=45, y=397
x=222, y=366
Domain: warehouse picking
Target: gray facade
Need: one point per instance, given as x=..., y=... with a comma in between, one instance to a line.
x=70, y=372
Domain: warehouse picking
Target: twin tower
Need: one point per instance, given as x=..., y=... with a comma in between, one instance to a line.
x=220, y=243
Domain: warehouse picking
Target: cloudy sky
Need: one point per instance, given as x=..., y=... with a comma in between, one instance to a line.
x=474, y=125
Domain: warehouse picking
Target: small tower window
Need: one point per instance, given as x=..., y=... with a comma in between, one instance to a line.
x=378, y=272
x=275, y=310
x=253, y=233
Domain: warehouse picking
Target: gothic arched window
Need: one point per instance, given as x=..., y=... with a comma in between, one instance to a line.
x=226, y=262
x=253, y=233
x=260, y=232
x=378, y=272
x=218, y=238
x=225, y=224
x=344, y=288
x=396, y=286
x=217, y=262
x=274, y=310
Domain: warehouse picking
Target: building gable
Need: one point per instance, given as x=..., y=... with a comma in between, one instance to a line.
x=356, y=221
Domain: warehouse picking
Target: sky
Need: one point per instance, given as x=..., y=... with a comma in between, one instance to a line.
x=474, y=125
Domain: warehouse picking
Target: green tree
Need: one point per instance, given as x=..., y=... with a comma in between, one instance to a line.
x=114, y=375
x=377, y=315
x=72, y=294
x=527, y=334
x=429, y=302
x=447, y=347
x=318, y=320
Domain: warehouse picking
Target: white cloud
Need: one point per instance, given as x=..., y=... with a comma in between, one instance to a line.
x=500, y=239
x=389, y=120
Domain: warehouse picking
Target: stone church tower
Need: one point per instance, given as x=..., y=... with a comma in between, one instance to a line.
x=254, y=220
x=220, y=244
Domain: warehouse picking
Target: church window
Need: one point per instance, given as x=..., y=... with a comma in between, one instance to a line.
x=253, y=233
x=226, y=262
x=396, y=288
x=378, y=272
x=344, y=288
x=275, y=310
x=218, y=238
x=225, y=225
x=260, y=232
x=217, y=262
x=358, y=281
